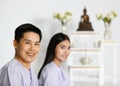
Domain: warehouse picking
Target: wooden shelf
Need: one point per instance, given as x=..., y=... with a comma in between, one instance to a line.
x=85, y=67
x=85, y=33
x=108, y=41
x=83, y=50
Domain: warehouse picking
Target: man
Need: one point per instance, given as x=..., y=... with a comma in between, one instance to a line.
x=27, y=44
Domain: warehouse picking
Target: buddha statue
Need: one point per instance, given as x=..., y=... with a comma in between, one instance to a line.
x=84, y=24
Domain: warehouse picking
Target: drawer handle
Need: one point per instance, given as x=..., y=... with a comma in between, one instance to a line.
x=85, y=60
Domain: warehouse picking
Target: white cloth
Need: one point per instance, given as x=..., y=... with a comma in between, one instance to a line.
x=52, y=75
x=15, y=74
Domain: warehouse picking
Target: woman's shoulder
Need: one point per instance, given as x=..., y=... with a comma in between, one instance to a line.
x=50, y=69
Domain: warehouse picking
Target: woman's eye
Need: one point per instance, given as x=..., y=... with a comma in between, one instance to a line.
x=37, y=44
x=62, y=47
x=69, y=48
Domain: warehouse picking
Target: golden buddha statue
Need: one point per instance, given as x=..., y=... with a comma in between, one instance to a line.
x=84, y=24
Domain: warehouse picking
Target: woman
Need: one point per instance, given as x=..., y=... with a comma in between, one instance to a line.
x=52, y=73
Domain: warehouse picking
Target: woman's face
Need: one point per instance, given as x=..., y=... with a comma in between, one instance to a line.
x=62, y=51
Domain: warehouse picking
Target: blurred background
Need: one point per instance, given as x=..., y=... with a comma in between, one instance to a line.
x=40, y=13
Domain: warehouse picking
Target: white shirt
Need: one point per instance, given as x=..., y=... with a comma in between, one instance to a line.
x=52, y=75
x=15, y=74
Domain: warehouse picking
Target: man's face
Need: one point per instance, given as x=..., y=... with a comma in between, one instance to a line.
x=28, y=47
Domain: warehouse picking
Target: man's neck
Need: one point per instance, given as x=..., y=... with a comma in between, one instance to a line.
x=25, y=64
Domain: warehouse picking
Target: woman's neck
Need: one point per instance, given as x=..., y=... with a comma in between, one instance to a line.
x=57, y=62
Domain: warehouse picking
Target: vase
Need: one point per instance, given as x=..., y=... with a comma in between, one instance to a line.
x=97, y=44
x=63, y=29
x=107, y=33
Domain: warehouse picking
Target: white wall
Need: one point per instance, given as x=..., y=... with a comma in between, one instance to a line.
x=40, y=13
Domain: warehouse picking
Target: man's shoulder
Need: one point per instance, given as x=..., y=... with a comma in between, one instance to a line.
x=10, y=66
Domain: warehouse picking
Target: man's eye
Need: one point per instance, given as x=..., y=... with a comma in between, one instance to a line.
x=27, y=42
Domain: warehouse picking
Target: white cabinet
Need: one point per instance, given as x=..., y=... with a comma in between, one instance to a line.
x=84, y=61
x=92, y=61
x=109, y=54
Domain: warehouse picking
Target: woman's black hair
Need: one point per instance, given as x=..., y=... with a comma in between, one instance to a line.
x=55, y=40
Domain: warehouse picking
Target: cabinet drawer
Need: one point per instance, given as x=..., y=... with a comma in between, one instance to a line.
x=81, y=83
x=84, y=74
x=79, y=58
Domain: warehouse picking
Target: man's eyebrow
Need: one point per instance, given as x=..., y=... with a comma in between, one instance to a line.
x=31, y=40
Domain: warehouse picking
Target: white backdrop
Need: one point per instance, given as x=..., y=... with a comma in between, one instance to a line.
x=40, y=13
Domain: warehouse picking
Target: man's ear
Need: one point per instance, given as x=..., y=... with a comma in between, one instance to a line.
x=15, y=43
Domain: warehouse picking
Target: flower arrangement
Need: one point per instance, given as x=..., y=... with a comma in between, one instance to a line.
x=107, y=23
x=108, y=18
x=63, y=18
